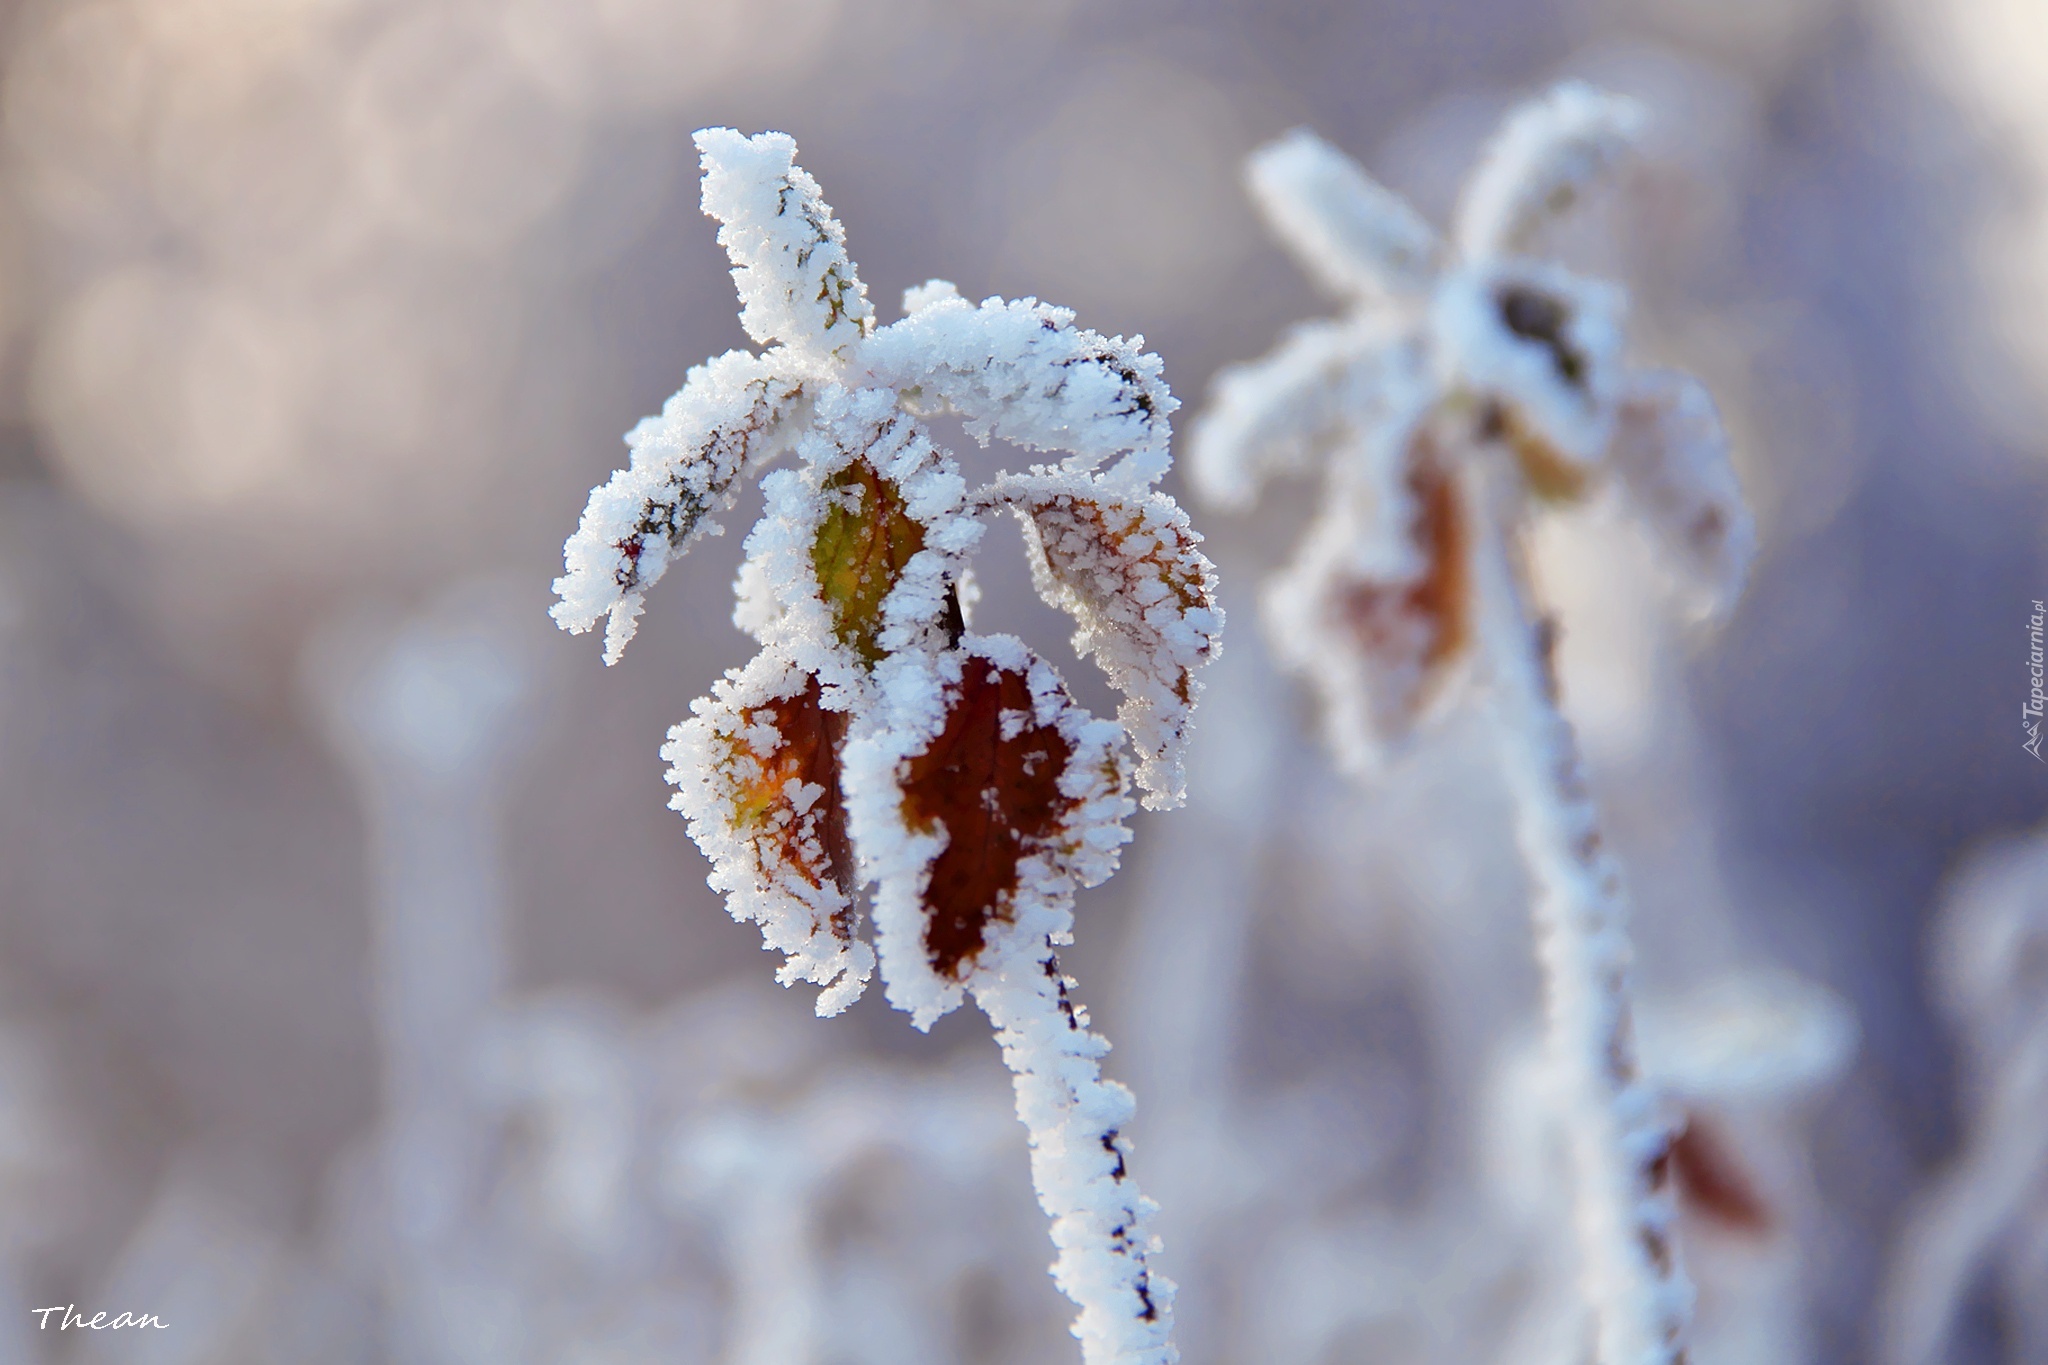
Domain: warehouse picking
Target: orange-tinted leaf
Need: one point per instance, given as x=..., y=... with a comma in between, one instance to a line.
x=863, y=542
x=791, y=745
x=1414, y=628
x=757, y=773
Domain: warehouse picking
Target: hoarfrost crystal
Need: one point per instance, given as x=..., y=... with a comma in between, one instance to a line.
x=876, y=740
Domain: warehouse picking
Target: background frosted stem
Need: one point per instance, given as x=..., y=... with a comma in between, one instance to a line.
x=1615, y=1141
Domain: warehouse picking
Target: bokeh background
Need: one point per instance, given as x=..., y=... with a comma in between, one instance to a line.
x=359, y=999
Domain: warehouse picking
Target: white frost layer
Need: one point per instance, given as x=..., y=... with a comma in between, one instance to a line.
x=714, y=757
x=1358, y=239
x=796, y=284
x=1143, y=599
x=687, y=463
x=1022, y=371
x=1543, y=158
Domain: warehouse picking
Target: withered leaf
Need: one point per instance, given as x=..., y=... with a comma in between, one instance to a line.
x=757, y=771
x=1143, y=599
x=1412, y=631
x=991, y=779
x=1672, y=456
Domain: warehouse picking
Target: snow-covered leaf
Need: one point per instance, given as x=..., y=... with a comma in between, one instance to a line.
x=1382, y=646
x=1143, y=599
x=789, y=257
x=1316, y=390
x=1020, y=370
x=1671, y=455
x=986, y=802
x=859, y=547
x=687, y=463
x=863, y=543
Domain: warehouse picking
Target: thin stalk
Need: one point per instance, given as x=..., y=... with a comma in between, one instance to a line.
x=1616, y=1142
x=1080, y=1165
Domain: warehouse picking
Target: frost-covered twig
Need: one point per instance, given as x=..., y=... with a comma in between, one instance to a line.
x=875, y=739
x=1616, y=1139
x=1464, y=386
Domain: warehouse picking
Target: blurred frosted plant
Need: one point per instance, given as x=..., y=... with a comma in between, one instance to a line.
x=1738, y=1060
x=1465, y=387
x=1987, y=1215
x=875, y=739
x=428, y=717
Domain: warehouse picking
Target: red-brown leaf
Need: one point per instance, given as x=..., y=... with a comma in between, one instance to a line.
x=991, y=779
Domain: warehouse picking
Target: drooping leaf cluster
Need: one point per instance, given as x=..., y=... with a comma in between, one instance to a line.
x=876, y=740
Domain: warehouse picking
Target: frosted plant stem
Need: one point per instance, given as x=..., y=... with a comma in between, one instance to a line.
x=1615, y=1140
x=1079, y=1163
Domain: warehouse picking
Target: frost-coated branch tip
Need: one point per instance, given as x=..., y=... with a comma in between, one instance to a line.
x=1541, y=162
x=1359, y=239
x=875, y=741
x=1978, y=1225
x=788, y=252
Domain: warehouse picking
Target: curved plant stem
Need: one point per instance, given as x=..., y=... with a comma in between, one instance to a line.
x=1080, y=1164
x=1616, y=1143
